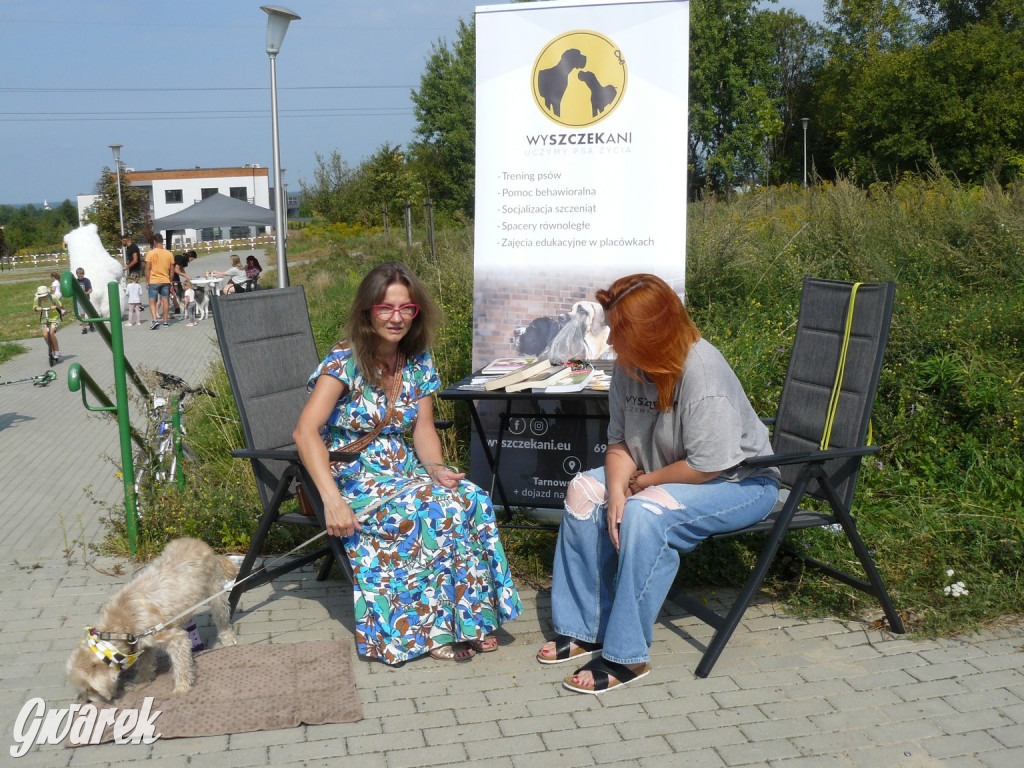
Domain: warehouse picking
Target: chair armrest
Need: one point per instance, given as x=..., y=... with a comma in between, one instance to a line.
x=440, y=424
x=288, y=454
x=810, y=457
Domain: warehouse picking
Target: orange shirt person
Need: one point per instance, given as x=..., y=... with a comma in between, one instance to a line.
x=159, y=264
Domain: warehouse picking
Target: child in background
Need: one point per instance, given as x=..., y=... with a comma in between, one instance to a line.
x=190, y=303
x=86, y=285
x=48, y=307
x=134, y=301
x=55, y=292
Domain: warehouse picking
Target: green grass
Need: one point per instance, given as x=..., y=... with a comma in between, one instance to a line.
x=944, y=494
x=17, y=320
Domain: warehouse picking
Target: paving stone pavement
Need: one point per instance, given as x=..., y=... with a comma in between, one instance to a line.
x=785, y=693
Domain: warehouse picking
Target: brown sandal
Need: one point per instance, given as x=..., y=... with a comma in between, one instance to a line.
x=489, y=644
x=453, y=652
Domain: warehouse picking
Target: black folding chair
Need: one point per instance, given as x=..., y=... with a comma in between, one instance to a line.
x=267, y=345
x=830, y=387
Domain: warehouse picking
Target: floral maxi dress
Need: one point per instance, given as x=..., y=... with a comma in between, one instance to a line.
x=429, y=567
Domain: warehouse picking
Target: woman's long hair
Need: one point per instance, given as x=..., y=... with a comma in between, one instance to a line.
x=359, y=329
x=650, y=329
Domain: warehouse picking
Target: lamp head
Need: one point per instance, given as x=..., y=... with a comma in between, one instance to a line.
x=278, y=19
x=805, y=121
x=117, y=150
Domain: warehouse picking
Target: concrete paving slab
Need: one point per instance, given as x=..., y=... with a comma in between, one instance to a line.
x=786, y=692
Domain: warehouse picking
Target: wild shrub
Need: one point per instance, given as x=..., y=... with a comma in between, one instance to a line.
x=945, y=493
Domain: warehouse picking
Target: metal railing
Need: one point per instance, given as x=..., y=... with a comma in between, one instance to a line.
x=112, y=332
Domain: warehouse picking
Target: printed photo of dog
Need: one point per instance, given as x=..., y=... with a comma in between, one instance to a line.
x=579, y=334
x=185, y=574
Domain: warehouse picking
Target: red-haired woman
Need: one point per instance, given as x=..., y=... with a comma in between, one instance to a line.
x=679, y=427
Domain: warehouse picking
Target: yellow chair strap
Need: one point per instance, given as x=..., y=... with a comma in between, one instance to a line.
x=840, y=370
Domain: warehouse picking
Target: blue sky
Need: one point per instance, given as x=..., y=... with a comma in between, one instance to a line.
x=188, y=83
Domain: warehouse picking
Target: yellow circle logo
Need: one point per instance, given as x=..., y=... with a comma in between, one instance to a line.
x=579, y=78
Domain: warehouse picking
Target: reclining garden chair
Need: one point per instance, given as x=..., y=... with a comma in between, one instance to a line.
x=821, y=434
x=267, y=345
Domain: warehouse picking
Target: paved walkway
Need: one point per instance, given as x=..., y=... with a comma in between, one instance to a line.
x=786, y=692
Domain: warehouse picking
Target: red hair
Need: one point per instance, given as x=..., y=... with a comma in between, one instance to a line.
x=650, y=329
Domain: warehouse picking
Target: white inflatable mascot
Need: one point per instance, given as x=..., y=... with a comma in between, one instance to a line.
x=86, y=251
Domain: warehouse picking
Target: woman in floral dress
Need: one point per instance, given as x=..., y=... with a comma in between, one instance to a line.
x=431, y=574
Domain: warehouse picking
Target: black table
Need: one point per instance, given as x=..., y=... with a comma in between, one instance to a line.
x=516, y=404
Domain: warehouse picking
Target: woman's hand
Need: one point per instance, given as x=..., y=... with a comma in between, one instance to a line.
x=445, y=476
x=615, y=509
x=341, y=520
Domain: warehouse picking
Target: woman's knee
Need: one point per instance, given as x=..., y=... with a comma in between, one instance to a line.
x=650, y=510
x=583, y=496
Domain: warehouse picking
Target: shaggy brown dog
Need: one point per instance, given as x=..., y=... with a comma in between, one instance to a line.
x=187, y=572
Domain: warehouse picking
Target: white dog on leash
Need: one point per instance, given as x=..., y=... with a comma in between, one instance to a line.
x=86, y=251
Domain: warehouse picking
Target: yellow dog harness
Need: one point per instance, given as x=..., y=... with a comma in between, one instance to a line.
x=107, y=652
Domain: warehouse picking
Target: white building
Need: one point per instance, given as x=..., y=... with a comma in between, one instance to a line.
x=171, y=191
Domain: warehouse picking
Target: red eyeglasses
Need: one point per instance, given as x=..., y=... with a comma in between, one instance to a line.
x=386, y=311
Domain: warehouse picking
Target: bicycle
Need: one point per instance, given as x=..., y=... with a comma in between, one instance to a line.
x=165, y=448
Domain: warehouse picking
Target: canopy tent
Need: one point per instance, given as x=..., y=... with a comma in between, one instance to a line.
x=216, y=211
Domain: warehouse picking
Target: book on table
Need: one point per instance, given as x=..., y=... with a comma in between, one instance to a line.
x=576, y=380
x=499, y=366
x=526, y=372
x=547, y=378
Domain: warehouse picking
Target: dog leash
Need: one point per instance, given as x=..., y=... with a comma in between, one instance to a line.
x=234, y=583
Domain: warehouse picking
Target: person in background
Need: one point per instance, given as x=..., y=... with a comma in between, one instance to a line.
x=134, y=300
x=159, y=264
x=253, y=270
x=56, y=293
x=680, y=427
x=48, y=306
x=181, y=263
x=86, y=285
x=236, y=281
x=132, y=257
x=430, y=572
x=189, y=298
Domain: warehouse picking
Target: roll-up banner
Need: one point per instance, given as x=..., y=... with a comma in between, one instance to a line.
x=581, y=142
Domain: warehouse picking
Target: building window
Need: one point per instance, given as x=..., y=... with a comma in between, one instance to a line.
x=172, y=196
x=239, y=193
x=207, y=191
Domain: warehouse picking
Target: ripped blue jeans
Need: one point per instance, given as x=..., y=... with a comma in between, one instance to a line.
x=600, y=595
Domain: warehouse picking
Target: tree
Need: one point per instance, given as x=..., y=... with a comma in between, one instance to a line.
x=955, y=102
x=732, y=112
x=798, y=56
x=445, y=107
x=104, y=212
x=37, y=230
x=328, y=195
x=950, y=15
x=387, y=179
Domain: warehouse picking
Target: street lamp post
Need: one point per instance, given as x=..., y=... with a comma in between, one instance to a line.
x=278, y=19
x=805, y=121
x=116, y=149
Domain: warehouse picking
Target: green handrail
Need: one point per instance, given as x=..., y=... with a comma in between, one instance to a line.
x=113, y=335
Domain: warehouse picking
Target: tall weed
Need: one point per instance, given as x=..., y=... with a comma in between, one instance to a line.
x=944, y=494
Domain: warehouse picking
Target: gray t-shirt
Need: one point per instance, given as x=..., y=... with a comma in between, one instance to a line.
x=711, y=425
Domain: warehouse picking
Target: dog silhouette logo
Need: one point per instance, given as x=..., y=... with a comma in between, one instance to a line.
x=579, y=78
